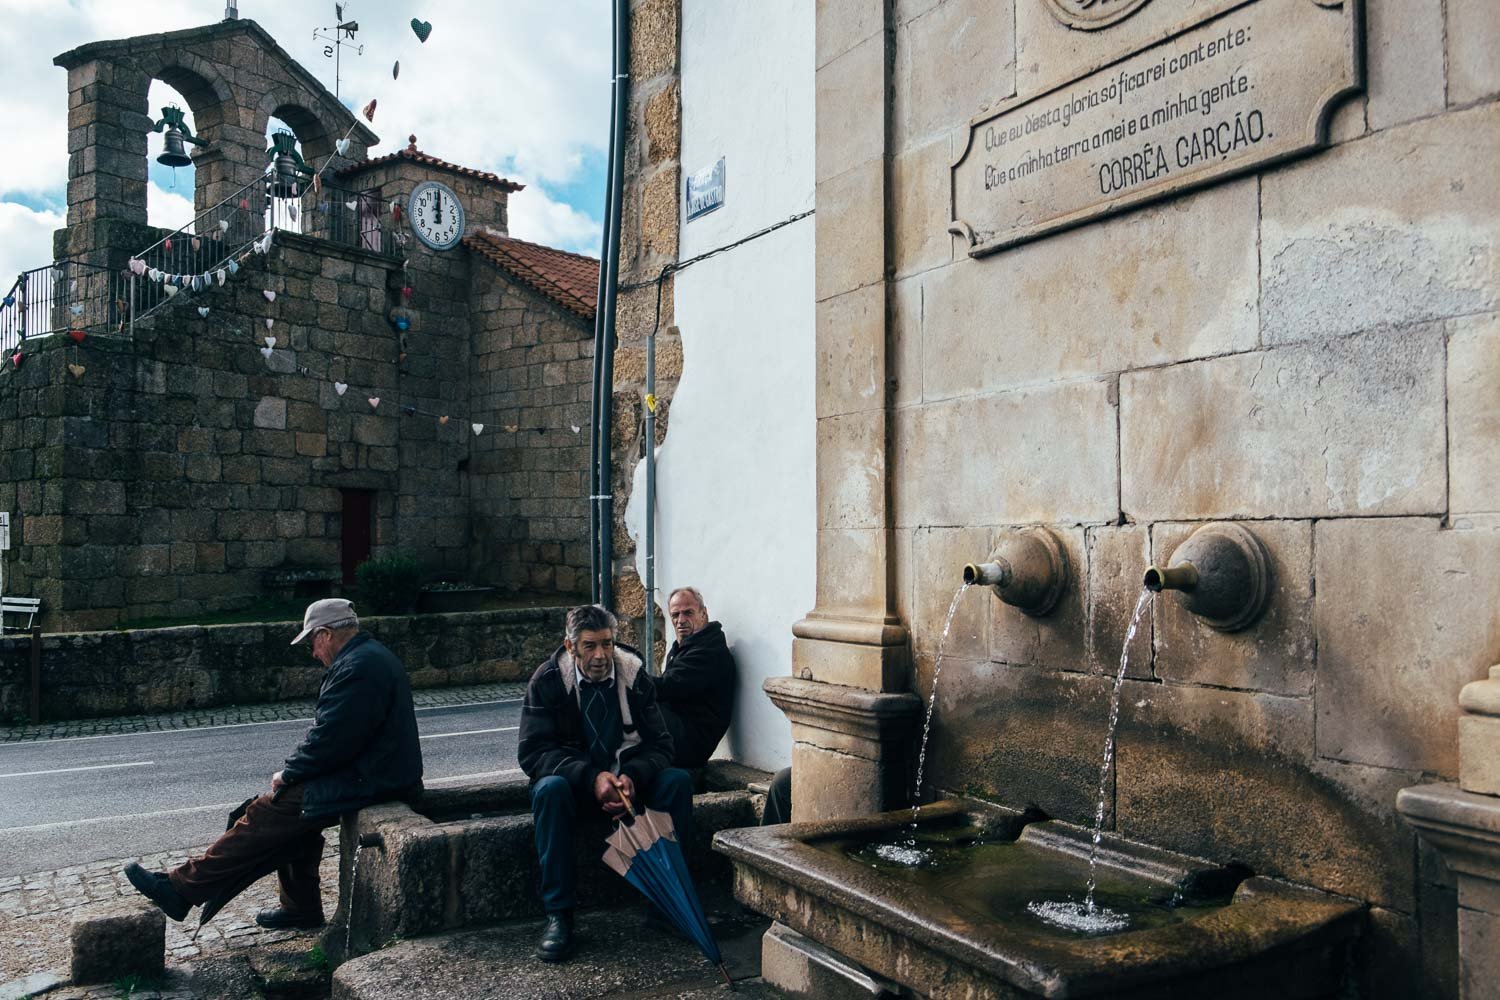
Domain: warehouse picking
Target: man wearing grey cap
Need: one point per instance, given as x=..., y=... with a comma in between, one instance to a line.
x=362, y=749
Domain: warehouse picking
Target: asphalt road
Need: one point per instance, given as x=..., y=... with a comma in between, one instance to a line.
x=70, y=801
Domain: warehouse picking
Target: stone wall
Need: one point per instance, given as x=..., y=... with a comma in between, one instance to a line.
x=648, y=241
x=90, y=674
x=1313, y=349
x=531, y=382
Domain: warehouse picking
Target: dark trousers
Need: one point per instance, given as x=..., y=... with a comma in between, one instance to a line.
x=778, y=808
x=271, y=833
x=555, y=809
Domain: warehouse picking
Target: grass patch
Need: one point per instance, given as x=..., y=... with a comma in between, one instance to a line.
x=317, y=959
x=140, y=982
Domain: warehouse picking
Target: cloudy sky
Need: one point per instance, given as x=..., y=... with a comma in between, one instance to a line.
x=519, y=87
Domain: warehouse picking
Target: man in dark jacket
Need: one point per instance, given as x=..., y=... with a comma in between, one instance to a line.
x=362, y=749
x=592, y=737
x=697, y=684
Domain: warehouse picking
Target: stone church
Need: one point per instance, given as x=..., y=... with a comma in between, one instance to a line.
x=340, y=357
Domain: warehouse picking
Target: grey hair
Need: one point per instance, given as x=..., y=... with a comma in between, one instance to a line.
x=697, y=596
x=589, y=618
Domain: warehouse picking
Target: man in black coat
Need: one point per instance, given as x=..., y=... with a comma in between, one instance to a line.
x=362, y=749
x=592, y=737
x=697, y=684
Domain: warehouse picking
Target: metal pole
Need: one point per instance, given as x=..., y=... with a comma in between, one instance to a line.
x=36, y=674
x=650, y=500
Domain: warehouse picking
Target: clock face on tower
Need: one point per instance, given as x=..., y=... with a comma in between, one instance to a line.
x=436, y=215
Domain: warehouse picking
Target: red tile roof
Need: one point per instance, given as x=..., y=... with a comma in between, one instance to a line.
x=411, y=152
x=569, y=279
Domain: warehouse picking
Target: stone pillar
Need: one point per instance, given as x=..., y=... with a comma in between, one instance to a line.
x=849, y=750
x=1463, y=823
x=106, y=146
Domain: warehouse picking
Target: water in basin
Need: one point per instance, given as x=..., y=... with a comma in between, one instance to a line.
x=1020, y=882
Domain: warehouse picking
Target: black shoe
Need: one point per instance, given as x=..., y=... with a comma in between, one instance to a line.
x=557, y=937
x=156, y=887
x=279, y=919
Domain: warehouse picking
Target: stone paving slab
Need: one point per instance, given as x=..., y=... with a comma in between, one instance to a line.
x=37, y=910
x=231, y=715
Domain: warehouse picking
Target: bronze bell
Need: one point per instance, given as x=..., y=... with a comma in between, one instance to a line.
x=173, y=153
x=288, y=170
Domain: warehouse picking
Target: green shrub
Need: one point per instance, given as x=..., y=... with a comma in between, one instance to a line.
x=389, y=586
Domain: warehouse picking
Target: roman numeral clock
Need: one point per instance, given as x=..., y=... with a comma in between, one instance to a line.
x=437, y=216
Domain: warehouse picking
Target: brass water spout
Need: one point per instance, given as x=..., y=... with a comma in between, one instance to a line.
x=1222, y=574
x=1028, y=570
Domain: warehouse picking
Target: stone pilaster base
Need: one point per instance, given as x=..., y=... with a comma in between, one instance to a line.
x=852, y=750
x=1465, y=827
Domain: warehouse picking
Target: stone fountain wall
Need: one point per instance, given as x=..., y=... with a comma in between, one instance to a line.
x=1312, y=347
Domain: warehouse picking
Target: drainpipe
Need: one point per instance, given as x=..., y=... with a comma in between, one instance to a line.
x=601, y=500
x=649, y=651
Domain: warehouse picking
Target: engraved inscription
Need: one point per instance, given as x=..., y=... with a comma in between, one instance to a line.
x=1243, y=89
x=1090, y=15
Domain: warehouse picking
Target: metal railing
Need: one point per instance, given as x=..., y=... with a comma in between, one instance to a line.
x=64, y=295
x=75, y=295
x=222, y=233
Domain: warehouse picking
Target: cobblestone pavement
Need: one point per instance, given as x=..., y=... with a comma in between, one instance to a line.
x=37, y=910
x=229, y=715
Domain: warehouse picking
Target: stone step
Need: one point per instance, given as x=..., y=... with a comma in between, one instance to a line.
x=615, y=956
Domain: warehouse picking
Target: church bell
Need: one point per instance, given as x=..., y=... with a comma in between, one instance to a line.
x=288, y=172
x=173, y=153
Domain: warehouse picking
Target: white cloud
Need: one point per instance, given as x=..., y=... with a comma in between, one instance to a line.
x=25, y=239
x=536, y=217
x=167, y=209
x=519, y=88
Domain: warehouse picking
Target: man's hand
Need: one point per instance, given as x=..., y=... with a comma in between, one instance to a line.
x=612, y=791
x=276, y=784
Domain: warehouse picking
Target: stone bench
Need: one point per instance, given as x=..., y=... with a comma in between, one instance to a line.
x=465, y=856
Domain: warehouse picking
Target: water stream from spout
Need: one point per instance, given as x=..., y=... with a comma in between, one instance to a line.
x=907, y=852
x=353, y=881
x=1088, y=916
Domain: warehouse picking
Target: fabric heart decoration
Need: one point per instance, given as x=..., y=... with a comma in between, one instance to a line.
x=77, y=336
x=17, y=358
x=270, y=322
x=349, y=205
x=76, y=309
x=269, y=294
x=291, y=211
x=9, y=301
x=167, y=244
x=267, y=351
x=270, y=341
x=223, y=225
x=220, y=276
x=443, y=420
x=342, y=146
x=197, y=244
x=406, y=292
x=154, y=274
x=199, y=282
x=369, y=111
x=477, y=428
x=396, y=70
x=171, y=290
x=203, y=312
x=374, y=402
x=421, y=28
x=317, y=183
x=137, y=266
x=233, y=267
x=244, y=204
x=77, y=370
x=341, y=387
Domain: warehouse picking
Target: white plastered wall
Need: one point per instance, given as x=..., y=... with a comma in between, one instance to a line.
x=736, y=513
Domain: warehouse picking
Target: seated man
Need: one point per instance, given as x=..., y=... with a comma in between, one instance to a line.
x=697, y=684
x=362, y=749
x=591, y=738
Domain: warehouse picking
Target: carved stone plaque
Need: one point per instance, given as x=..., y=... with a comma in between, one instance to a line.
x=1091, y=15
x=1254, y=84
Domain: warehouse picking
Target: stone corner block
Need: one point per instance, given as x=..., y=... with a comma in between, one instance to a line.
x=127, y=938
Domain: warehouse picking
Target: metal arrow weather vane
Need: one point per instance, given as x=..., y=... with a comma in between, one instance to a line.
x=335, y=37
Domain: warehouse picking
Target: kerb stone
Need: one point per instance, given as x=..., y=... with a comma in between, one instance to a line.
x=125, y=939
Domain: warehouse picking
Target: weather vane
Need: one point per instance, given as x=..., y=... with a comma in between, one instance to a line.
x=339, y=34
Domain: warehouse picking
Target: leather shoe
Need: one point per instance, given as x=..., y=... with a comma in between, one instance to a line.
x=156, y=887
x=557, y=937
x=279, y=918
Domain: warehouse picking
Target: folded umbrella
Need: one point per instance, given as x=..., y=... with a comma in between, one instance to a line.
x=645, y=852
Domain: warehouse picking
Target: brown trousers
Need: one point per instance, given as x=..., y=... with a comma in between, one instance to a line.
x=269, y=832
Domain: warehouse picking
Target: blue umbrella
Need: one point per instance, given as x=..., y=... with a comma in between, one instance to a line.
x=645, y=852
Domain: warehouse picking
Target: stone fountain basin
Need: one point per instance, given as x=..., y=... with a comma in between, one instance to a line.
x=1257, y=939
